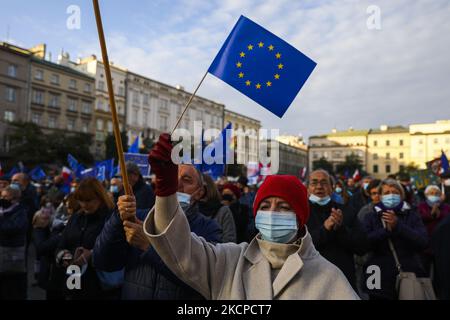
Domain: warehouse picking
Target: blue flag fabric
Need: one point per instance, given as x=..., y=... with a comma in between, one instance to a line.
x=73, y=163
x=216, y=170
x=104, y=169
x=262, y=66
x=134, y=148
x=13, y=171
x=444, y=162
x=37, y=174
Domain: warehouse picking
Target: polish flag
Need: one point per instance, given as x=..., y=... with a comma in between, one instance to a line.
x=356, y=175
x=66, y=174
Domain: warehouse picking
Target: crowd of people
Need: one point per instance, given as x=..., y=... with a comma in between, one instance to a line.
x=182, y=235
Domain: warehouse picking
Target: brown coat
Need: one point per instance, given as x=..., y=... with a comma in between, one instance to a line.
x=239, y=272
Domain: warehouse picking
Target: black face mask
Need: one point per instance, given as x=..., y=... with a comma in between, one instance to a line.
x=5, y=203
x=228, y=197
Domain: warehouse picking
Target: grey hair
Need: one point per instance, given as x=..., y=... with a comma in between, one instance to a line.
x=431, y=187
x=16, y=193
x=392, y=183
x=330, y=178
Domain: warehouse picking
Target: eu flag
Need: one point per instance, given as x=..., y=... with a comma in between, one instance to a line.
x=262, y=66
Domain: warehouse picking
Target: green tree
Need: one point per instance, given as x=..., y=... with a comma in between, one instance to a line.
x=352, y=163
x=111, y=145
x=324, y=164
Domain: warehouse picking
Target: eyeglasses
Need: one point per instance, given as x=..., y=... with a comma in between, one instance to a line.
x=322, y=183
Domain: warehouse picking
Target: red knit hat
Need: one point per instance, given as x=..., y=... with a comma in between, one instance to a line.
x=233, y=188
x=290, y=189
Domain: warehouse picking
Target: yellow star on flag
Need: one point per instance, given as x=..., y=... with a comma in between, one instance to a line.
x=271, y=47
x=250, y=47
x=280, y=66
x=277, y=76
x=242, y=54
x=248, y=82
x=241, y=75
x=238, y=64
x=261, y=44
x=278, y=55
x=268, y=83
x=258, y=86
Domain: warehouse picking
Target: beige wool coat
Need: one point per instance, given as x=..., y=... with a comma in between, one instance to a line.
x=239, y=272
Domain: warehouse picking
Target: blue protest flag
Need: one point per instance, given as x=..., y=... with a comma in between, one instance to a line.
x=13, y=171
x=80, y=168
x=104, y=169
x=134, y=148
x=214, y=169
x=90, y=172
x=444, y=162
x=262, y=66
x=73, y=163
x=37, y=174
x=141, y=160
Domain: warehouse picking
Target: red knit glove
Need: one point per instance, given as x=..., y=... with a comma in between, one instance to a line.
x=165, y=170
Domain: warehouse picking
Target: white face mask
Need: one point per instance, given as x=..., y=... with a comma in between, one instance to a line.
x=447, y=183
x=184, y=198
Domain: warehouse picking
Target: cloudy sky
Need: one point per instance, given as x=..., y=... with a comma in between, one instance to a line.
x=364, y=78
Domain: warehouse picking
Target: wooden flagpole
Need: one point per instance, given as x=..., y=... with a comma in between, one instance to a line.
x=112, y=101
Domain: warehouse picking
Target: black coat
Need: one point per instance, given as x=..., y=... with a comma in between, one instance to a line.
x=145, y=198
x=241, y=220
x=409, y=237
x=440, y=244
x=338, y=246
x=82, y=231
x=358, y=200
x=13, y=227
x=146, y=275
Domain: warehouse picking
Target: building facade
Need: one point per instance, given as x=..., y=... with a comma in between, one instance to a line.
x=291, y=159
x=428, y=140
x=388, y=150
x=246, y=146
x=153, y=108
x=14, y=83
x=334, y=147
x=103, y=125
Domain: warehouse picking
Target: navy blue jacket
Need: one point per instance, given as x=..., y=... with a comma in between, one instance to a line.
x=146, y=276
x=13, y=227
x=409, y=238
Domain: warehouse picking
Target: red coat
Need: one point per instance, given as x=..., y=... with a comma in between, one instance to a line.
x=429, y=222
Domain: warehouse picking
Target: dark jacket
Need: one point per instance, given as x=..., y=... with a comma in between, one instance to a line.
x=338, y=246
x=81, y=231
x=241, y=220
x=146, y=276
x=409, y=238
x=145, y=198
x=440, y=244
x=13, y=226
x=359, y=199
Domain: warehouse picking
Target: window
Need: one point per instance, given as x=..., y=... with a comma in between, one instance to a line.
x=388, y=143
x=9, y=116
x=375, y=168
x=54, y=101
x=85, y=127
x=110, y=126
x=388, y=156
x=12, y=70
x=436, y=141
x=163, y=104
x=402, y=168
x=55, y=79
x=72, y=84
x=135, y=116
x=52, y=122
x=375, y=156
x=401, y=142
x=146, y=102
x=87, y=87
x=400, y=155
x=100, y=105
x=315, y=155
x=136, y=98
x=375, y=143
x=10, y=94
x=38, y=97
x=145, y=118
x=101, y=85
x=420, y=141
x=388, y=168
x=72, y=105
x=163, y=123
x=70, y=124
x=121, y=91
x=36, y=118
x=39, y=75
x=99, y=125
x=86, y=107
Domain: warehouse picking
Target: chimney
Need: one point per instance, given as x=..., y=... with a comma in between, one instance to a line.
x=180, y=87
x=39, y=51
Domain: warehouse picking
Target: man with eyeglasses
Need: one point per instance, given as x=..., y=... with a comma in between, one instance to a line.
x=336, y=232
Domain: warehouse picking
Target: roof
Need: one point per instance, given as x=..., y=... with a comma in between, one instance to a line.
x=233, y=113
x=348, y=133
x=396, y=129
x=62, y=68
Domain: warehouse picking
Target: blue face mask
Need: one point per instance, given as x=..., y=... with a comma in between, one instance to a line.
x=338, y=190
x=365, y=185
x=114, y=189
x=391, y=200
x=279, y=227
x=16, y=186
x=432, y=200
x=320, y=201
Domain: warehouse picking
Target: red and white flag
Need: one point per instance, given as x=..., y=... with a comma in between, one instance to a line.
x=356, y=175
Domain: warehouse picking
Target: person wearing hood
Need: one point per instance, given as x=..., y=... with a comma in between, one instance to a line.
x=335, y=229
x=394, y=219
x=361, y=196
x=279, y=263
x=230, y=197
x=211, y=206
